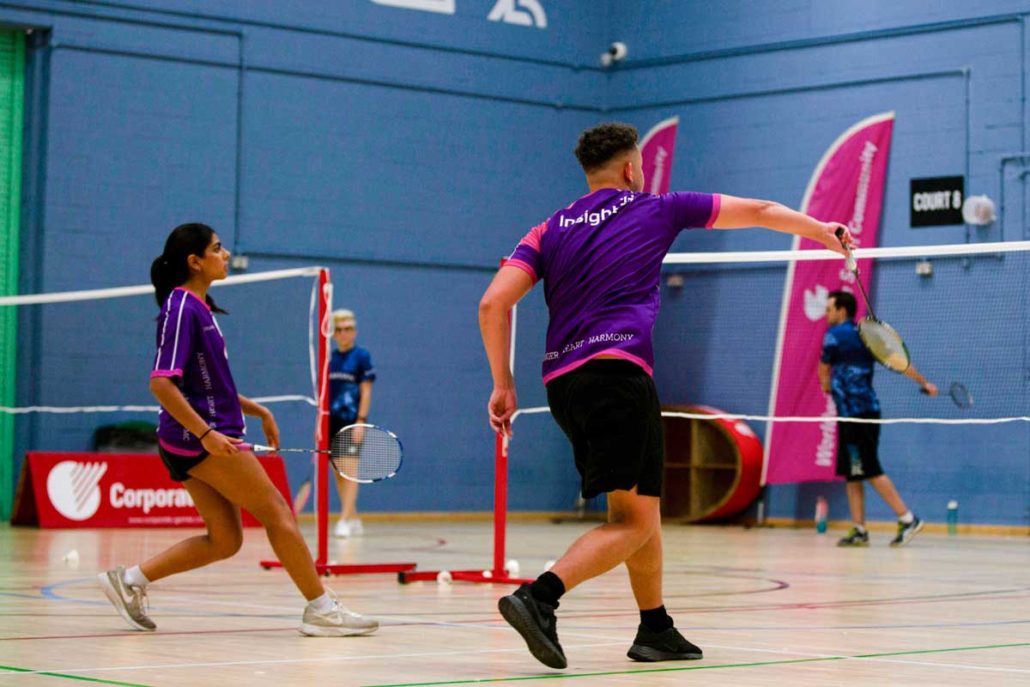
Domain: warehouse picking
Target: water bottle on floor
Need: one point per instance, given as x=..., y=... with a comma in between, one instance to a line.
x=822, y=512
x=953, y=517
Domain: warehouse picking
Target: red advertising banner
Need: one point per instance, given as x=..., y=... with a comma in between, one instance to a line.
x=89, y=490
x=656, y=149
x=847, y=186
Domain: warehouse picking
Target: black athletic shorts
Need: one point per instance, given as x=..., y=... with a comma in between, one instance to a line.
x=857, y=448
x=609, y=410
x=179, y=466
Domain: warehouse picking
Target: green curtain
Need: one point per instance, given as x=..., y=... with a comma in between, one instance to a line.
x=12, y=91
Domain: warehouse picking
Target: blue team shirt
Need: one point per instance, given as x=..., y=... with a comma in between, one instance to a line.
x=851, y=378
x=347, y=370
x=601, y=259
x=191, y=351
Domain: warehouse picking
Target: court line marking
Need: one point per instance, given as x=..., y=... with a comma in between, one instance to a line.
x=81, y=678
x=753, y=664
x=286, y=661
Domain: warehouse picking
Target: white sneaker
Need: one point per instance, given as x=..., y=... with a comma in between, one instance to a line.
x=130, y=602
x=343, y=529
x=339, y=622
x=356, y=528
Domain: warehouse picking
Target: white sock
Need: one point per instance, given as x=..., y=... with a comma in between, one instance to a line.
x=134, y=577
x=322, y=604
x=907, y=518
x=860, y=528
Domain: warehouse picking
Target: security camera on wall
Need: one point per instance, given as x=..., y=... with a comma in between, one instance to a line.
x=616, y=53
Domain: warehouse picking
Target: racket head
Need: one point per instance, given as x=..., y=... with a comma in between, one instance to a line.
x=366, y=453
x=960, y=395
x=885, y=344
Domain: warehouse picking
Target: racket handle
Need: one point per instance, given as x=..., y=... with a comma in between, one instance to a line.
x=259, y=448
x=851, y=263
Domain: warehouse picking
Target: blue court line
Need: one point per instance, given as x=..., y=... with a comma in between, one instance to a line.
x=566, y=676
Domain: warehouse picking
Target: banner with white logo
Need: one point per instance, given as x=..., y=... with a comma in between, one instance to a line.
x=847, y=186
x=656, y=149
x=112, y=490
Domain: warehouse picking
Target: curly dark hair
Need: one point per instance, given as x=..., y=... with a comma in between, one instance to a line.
x=599, y=145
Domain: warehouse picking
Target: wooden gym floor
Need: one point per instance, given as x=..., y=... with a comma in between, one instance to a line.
x=768, y=606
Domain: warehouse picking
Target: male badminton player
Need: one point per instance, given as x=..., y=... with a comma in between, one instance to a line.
x=846, y=372
x=600, y=260
x=351, y=375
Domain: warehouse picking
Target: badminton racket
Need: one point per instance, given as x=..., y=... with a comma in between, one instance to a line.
x=886, y=345
x=361, y=453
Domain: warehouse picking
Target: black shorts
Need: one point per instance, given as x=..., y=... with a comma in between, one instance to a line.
x=609, y=410
x=336, y=424
x=857, y=447
x=179, y=466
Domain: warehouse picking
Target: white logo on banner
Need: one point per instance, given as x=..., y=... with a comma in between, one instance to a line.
x=74, y=489
x=441, y=6
x=527, y=13
x=815, y=302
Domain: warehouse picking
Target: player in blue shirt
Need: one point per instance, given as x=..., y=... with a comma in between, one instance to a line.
x=351, y=374
x=201, y=427
x=846, y=372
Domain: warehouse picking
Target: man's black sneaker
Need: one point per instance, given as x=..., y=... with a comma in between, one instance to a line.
x=907, y=531
x=855, y=537
x=668, y=645
x=535, y=621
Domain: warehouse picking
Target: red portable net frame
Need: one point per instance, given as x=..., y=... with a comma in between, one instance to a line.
x=499, y=573
x=322, y=564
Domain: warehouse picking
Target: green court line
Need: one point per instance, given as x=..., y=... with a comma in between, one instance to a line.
x=560, y=676
x=82, y=678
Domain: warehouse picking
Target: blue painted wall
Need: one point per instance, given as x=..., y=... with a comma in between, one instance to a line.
x=762, y=89
x=409, y=150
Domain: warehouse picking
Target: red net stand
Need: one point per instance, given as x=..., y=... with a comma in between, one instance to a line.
x=322, y=464
x=498, y=575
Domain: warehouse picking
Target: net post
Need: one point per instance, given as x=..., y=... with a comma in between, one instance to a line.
x=500, y=501
x=322, y=423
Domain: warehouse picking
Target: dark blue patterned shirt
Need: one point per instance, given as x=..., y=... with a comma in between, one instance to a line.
x=347, y=370
x=851, y=378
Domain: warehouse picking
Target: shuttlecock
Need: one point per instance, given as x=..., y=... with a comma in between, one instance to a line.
x=512, y=568
x=487, y=574
x=71, y=558
x=443, y=577
x=548, y=565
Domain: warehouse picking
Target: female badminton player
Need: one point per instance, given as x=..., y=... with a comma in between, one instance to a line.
x=200, y=425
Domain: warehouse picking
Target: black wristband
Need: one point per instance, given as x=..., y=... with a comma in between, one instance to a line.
x=209, y=430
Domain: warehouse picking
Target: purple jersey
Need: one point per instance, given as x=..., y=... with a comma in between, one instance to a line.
x=190, y=348
x=600, y=260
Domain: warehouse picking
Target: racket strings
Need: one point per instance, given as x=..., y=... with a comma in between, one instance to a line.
x=365, y=453
x=885, y=344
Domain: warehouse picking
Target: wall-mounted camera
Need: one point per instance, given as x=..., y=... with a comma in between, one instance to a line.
x=616, y=53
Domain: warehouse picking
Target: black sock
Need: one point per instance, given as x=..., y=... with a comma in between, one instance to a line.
x=656, y=620
x=547, y=588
